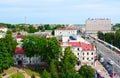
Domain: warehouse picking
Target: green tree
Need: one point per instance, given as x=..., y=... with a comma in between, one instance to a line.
x=69, y=59
x=10, y=43
x=29, y=45
x=46, y=74
x=86, y=71
x=100, y=35
x=99, y=56
x=6, y=59
x=53, y=50
x=53, y=69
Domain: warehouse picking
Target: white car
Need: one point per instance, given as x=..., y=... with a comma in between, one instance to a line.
x=110, y=62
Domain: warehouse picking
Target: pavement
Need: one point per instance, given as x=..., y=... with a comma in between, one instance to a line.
x=103, y=72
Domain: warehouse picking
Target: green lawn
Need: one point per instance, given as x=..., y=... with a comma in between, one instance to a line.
x=10, y=70
x=30, y=72
x=17, y=75
x=0, y=76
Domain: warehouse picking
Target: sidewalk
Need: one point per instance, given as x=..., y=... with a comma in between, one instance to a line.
x=102, y=69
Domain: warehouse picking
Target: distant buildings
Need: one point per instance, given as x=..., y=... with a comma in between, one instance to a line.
x=3, y=28
x=65, y=31
x=98, y=24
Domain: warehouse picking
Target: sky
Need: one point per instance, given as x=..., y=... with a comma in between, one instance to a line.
x=58, y=11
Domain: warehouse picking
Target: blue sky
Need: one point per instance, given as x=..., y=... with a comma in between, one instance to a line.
x=58, y=11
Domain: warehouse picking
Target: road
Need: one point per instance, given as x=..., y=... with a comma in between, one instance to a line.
x=108, y=54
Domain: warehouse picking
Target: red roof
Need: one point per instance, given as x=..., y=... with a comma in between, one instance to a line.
x=73, y=44
x=65, y=29
x=19, y=50
x=1, y=27
x=19, y=36
x=84, y=46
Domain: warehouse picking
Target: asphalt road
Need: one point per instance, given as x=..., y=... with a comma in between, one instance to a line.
x=108, y=54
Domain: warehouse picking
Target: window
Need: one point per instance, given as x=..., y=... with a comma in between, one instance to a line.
x=83, y=58
x=77, y=53
x=87, y=53
x=91, y=63
x=91, y=53
x=92, y=58
x=83, y=53
x=87, y=58
x=78, y=49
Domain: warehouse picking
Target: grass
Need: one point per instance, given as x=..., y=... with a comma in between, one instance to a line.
x=30, y=72
x=10, y=70
x=0, y=76
x=17, y=75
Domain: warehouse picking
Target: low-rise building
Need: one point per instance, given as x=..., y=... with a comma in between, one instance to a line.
x=65, y=31
x=21, y=59
x=84, y=51
x=3, y=28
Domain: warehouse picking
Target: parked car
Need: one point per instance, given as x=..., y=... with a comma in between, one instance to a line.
x=111, y=73
x=110, y=62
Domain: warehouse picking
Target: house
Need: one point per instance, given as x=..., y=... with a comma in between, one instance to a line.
x=3, y=28
x=21, y=59
x=84, y=51
x=65, y=31
x=19, y=38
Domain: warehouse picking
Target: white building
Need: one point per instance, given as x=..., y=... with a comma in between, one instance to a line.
x=65, y=31
x=21, y=59
x=3, y=28
x=19, y=39
x=98, y=24
x=84, y=51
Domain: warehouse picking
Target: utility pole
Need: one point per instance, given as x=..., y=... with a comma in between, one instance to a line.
x=25, y=19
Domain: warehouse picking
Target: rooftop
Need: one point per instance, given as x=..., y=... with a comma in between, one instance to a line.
x=65, y=29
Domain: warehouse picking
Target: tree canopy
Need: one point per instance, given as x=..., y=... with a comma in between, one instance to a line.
x=86, y=71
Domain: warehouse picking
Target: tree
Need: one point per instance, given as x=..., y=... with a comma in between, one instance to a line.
x=46, y=74
x=99, y=56
x=6, y=59
x=53, y=69
x=10, y=43
x=29, y=45
x=69, y=59
x=52, y=51
x=100, y=35
x=86, y=71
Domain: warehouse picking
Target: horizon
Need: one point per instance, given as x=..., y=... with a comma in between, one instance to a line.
x=58, y=11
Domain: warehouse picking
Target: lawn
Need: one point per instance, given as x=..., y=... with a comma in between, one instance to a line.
x=30, y=72
x=17, y=75
x=10, y=70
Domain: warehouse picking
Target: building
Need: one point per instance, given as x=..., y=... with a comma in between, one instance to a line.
x=3, y=28
x=65, y=31
x=98, y=24
x=84, y=51
x=21, y=59
x=19, y=38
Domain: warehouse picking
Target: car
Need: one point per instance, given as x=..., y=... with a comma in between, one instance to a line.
x=110, y=62
x=111, y=73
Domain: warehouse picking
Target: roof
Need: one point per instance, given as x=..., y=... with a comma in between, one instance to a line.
x=1, y=27
x=73, y=44
x=19, y=50
x=84, y=46
x=65, y=29
x=87, y=47
x=19, y=36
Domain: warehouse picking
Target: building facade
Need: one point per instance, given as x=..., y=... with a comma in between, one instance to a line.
x=3, y=28
x=85, y=52
x=21, y=59
x=98, y=24
x=65, y=31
